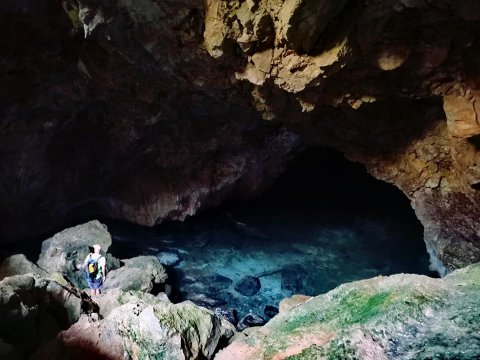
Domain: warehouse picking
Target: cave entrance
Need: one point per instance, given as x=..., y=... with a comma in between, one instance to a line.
x=325, y=222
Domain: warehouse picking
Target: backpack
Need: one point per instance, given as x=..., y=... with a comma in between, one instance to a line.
x=92, y=267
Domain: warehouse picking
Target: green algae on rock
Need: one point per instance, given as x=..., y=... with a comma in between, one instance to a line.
x=397, y=317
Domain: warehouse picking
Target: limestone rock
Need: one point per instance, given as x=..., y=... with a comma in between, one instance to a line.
x=142, y=328
x=69, y=248
x=396, y=317
x=33, y=310
x=19, y=265
x=168, y=258
x=291, y=302
x=140, y=273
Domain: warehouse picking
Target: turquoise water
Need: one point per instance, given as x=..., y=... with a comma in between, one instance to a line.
x=325, y=222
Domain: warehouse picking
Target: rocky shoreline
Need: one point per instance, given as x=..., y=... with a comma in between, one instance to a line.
x=44, y=315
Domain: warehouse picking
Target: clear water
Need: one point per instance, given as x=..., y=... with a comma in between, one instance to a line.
x=325, y=222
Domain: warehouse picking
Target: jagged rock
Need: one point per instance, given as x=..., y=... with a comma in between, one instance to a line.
x=348, y=75
x=69, y=248
x=231, y=315
x=396, y=317
x=141, y=273
x=33, y=310
x=248, y=285
x=19, y=265
x=143, y=327
x=250, y=320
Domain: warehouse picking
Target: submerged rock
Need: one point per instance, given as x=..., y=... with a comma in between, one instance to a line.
x=168, y=258
x=143, y=327
x=396, y=317
x=248, y=285
x=293, y=277
x=270, y=311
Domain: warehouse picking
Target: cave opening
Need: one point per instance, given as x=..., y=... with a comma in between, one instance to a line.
x=324, y=222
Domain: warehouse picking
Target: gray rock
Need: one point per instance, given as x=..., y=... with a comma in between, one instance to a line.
x=69, y=248
x=143, y=328
x=248, y=285
x=33, y=310
x=402, y=316
x=140, y=273
x=19, y=265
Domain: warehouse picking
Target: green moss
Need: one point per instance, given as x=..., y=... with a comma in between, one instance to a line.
x=73, y=13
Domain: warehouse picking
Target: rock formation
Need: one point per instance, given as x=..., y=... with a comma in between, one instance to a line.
x=142, y=327
x=396, y=317
x=148, y=110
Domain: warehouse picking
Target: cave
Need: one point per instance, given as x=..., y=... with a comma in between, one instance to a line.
x=324, y=222
x=288, y=179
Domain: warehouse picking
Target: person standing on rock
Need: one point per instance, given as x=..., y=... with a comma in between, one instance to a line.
x=96, y=268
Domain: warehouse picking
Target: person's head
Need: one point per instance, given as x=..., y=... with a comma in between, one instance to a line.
x=96, y=248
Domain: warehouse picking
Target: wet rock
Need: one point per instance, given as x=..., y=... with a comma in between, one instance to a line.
x=204, y=300
x=69, y=248
x=396, y=317
x=145, y=327
x=248, y=285
x=141, y=273
x=19, y=265
x=270, y=311
x=250, y=320
x=33, y=310
x=199, y=281
x=293, y=277
x=168, y=258
x=231, y=315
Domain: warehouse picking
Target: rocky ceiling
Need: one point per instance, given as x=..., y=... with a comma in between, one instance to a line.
x=146, y=110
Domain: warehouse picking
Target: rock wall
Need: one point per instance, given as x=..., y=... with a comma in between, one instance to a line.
x=152, y=110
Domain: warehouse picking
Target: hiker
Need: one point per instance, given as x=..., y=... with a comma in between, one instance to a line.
x=96, y=268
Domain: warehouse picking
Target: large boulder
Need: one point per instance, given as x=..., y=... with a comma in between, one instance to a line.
x=141, y=273
x=19, y=265
x=142, y=328
x=69, y=248
x=397, y=317
x=33, y=310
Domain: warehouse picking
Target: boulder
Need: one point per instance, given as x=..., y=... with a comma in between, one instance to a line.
x=248, y=285
x=397, y=317
x=69, y=248
x=33, y=310
x=19, y=265
x=143, y=328
x=141, y=273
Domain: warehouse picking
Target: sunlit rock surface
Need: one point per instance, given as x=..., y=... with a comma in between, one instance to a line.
x=142, y=327
x=147, y=110
x=397, y=317
x=66, y=250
